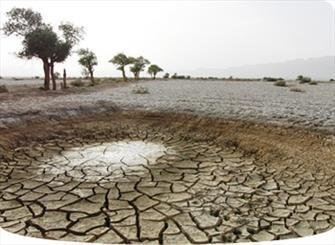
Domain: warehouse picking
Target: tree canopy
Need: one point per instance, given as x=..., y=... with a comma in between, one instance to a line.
x=121, y=61
x=22, y=21
x=139, y=64
x=153, y=70
x=88, y=60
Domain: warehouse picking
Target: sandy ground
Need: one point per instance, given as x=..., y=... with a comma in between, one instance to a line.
x=257, y=101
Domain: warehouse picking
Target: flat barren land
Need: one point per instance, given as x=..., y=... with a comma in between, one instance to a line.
x=188, y=162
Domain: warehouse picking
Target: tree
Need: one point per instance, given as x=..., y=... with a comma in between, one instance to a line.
x=166, y=75
x=72, y=35
x=153, y=70
x=121, y=61
x=22, y=21
x=299, y=78
x=88, y=60
x=139, y=64
x=40, y=41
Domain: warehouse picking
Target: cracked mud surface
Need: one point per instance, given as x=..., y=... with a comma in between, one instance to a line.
x=75, y=181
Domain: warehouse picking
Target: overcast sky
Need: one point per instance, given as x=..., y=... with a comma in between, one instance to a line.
x=181, y=35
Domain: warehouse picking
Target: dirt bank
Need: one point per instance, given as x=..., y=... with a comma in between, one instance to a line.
x=269, y=143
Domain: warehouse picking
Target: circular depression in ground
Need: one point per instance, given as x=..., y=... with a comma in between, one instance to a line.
x=127, y=184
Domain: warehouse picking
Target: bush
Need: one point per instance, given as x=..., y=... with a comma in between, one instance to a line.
x=331, y=80
x=305, y=80
x=299, y=77
x=77, y=83
x=313, y=83
x=57, y=75
x=272, y=79
x=280, y=83
x=296, y=89
x=0, y=77
x=166, y=75
x=3, y=89
x=140, y=90
x=176, y=76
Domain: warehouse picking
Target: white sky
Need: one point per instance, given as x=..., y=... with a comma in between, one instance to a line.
x=181, y=35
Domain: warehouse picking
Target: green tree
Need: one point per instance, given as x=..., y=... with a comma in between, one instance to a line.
x=166, y=75
x=40, y=41
x=300, y=77
x=153, y=70
x=121, y=61
x=139, y=64
x=88, y=60
x=22, y=21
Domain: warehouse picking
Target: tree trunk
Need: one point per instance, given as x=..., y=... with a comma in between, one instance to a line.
x=46, y=69
x=138, y=76
x=124, y=74
x=91, y=75
x=154, y=76
x=64, y=79
x=54, y=85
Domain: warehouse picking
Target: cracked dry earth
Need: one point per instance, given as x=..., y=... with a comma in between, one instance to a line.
x=155, y=186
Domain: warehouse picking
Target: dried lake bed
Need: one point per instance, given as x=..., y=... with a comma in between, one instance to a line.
x=119, y=175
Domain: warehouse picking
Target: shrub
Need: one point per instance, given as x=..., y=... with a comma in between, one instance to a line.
x=313, y=83
x=331, y=80
x=296, y=89
x=57, y=75
x=0, y=77
x=166, y=75
x=77, y=83
x=3, y=89
x=299, y=77
x=280, y=83
x=140, y=90
x=270, y=79
x=305, y=80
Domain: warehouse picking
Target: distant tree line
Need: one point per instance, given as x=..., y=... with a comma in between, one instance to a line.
x=138, y=65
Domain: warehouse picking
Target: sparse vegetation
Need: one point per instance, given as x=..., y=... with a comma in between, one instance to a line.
x=166, y=76
x=3, y=89
x=77, y=83
x=280, y=83
x=296, y=89
x=272, y=79
x=57, y=75
x=313, y=83
x=140, y=90
x=303, y=79
x=176, y=76
x=331, y=80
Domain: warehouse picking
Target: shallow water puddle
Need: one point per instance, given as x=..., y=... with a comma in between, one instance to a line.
x=105, y=161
